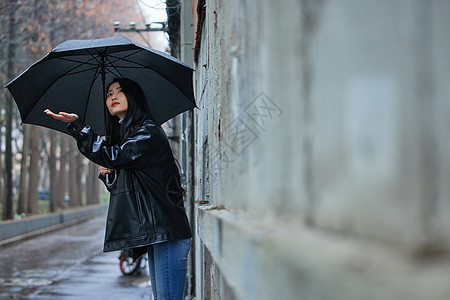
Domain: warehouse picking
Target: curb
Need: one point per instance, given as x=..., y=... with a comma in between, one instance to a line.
x=16, y=230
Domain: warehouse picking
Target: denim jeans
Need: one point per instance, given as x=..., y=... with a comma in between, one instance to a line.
x=167, y=264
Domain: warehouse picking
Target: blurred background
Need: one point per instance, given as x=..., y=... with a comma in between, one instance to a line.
x=317, y=165
x=40, y=171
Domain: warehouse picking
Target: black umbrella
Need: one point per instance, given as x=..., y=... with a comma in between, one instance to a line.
x=72, y=78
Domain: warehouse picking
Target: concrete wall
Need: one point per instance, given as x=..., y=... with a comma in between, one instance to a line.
x=322, y=146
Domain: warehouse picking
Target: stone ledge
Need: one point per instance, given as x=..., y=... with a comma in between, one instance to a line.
x=280, y=261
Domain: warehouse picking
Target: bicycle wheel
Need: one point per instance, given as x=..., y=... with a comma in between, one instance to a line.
x=129, y=266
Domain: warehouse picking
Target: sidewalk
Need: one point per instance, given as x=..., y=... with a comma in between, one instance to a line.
x=67, y=264
x=97, y=278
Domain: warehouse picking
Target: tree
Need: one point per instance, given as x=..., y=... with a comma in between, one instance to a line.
x=74, y=175
x=34, y=171
x=92, y=186
x=8, y=206
x=63, y=158
x=23, y=184
x=54, y=181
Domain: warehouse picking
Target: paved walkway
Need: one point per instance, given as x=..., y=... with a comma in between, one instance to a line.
x=67, y=264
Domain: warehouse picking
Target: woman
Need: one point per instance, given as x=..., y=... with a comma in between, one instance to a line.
x=146, y=204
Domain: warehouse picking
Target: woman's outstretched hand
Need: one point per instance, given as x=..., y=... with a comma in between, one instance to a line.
x=62, y=116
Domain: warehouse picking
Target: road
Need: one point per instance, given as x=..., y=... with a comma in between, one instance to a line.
x=67, y=264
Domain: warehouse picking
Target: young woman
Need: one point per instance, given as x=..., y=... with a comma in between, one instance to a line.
x=146, y=210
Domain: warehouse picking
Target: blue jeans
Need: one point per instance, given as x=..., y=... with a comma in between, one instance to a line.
x=167, y=264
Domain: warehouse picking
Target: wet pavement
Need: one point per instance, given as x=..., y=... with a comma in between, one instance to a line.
x=68, y=264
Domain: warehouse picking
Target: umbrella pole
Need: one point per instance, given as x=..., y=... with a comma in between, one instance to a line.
x=102, y=64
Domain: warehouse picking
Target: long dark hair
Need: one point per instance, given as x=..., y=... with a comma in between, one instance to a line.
x=137, y=111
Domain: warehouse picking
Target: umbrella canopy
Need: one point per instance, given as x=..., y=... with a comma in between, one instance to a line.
x=73, y=77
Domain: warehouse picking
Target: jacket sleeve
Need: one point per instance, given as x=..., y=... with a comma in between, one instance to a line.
x=93, y=147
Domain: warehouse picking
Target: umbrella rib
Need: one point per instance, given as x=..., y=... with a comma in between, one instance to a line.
x=111, y=63
x=129, y=61
x=114, y=67
x=129, y=67
x=97, y=73
x=149, y=68
x=48, y=87
x=81, y=63
x=115, y=74
x=139, y=66
x=94, y=57
x=124, y=58
x=78, y=61
x=133, y=62
x=77, y=72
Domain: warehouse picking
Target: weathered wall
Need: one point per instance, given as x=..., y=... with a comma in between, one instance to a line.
x=322, y=146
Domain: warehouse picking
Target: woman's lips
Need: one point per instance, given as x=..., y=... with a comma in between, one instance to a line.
x=114, y=104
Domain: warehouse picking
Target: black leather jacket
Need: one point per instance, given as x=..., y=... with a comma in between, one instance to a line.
x=146, y=203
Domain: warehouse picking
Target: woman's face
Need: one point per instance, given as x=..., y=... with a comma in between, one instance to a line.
x=116, y=101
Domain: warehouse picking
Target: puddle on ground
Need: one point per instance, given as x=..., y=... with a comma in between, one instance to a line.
x=26, y=282
x=141, y=282
x=30, y=278
x=31, y=273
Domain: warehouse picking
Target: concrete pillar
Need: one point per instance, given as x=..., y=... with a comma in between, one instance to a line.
x=186, y=132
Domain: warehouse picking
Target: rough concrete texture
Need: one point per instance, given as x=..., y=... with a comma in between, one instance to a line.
x=322, y=147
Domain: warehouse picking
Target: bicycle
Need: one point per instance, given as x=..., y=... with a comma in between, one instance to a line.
x=133, y=261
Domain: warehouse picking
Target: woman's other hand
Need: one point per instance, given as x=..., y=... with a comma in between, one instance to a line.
x=62, y=116
x=104, y=171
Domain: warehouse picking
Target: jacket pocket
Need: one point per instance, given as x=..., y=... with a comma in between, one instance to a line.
x=124, y=219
